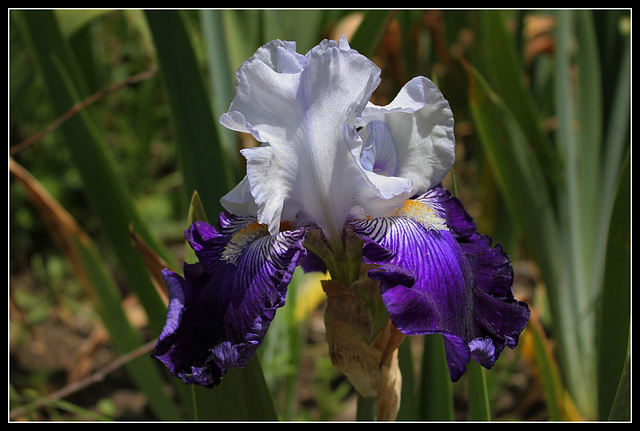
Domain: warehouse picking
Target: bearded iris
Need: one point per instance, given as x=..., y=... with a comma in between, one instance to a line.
x=337, y=182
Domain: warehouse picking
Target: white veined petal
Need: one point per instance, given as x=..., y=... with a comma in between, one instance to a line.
x=382, y=193
x=312, y=163
x=378, y=152
x=420, y=122
x=297, y=108
x=239, y=201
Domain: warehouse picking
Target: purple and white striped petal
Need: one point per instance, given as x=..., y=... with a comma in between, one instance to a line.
x=220, y=311
x=438, y=275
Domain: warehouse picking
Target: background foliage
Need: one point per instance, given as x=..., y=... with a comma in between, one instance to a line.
x=542, y=107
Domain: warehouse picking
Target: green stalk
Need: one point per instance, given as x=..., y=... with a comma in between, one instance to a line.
x=366, y=408
x=436, y=390
x=479, y=409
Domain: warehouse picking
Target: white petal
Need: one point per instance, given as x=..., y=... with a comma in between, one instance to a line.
x=312, y=163
x=297, y=106
x=378, y=152
x=420, y=122
x=266, y=101
x=382, y=193
x=239, y=200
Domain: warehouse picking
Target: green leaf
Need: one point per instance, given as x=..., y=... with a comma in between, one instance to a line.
x=242, y=34
x=621, y=409
x=299, y=25
x=102, y=290
x=196, y=213
x=71, y=20
x=576, y=211
x=518, y=173
x=203, y=162
x=614, y=328
x=589, y=108
x=616, y=141
x=549, y=376
x=242, y=395
x=143, y=370
x=479, y=409
x=105, y=189
x=505, y=72
x=221, y=81
x=435, y=389
x=522, y=185
x=408, y=399
x=370, y=32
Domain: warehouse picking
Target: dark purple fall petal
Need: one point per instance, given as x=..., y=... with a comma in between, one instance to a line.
x=449, y=282
x=220, y=311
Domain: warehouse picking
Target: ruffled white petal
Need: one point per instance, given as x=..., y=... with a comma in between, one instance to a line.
x=420, y=123
x=313, y=163
x=297, y=106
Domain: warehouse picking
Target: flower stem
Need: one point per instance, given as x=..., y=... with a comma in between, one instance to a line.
x=366, y=409
x=479, y=409
x=343, y=258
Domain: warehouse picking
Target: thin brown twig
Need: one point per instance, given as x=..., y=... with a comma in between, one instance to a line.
x=96, y=377
x=80, y=106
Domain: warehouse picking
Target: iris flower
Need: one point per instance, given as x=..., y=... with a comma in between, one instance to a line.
x=332, y=166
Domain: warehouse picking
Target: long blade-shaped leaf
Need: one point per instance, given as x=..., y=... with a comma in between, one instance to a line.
x=578, y=242
x=101, y=289
x=616, y=142
x=518, y=172
x=621, y=409
x=204, y=164
x=548, y=371
x=521, y=182
x=299, y=25
x=435, y=389
x=221, y=83
x=479, y=409
x=616, y=298
x=506, y=74
x=106, y=191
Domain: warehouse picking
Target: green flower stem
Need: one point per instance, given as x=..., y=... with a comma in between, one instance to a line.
x=478, y=396
x=366, y=409
x=436, y=389
x=343, y=260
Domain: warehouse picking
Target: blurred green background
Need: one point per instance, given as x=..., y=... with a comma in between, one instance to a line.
x=541, y=101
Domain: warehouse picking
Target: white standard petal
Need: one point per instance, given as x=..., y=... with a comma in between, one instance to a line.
x=298, y=106
x=420, y=123
x=239, y=201
x=266, y=100
x=377, y=160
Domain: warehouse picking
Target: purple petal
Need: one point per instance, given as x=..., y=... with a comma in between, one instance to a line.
x=444, y=279
x=220, y=311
